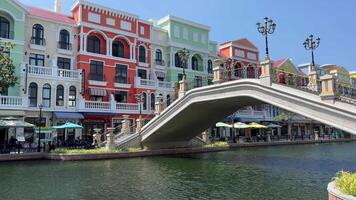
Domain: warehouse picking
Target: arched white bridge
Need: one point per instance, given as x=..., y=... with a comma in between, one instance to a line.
x=199, y=108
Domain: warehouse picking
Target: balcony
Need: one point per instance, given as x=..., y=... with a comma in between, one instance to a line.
x=160, y=62
x=38, y=43
x=129, y=108
x=64, y=48
x=11, y=102
x=122, y=82
x=97, y=79
x=152, y=84
x=4, y=34
x=54, y=72
x=111, y=107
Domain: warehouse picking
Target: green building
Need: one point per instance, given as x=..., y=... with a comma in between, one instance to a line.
x=195, y=38
x=12, y=29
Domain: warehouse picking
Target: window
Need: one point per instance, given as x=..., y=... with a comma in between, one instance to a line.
x=93, y=44
x=60, y=95
x=64, y=41
x=210, y=67
x=93, y=17
x=121, y=74
x=142, y=54
x=32, y=94
x=37, y=59
x=121, y=97
x=142, y=30
x=195, y=37
x=63, y=63
x=177, y=60
x=194, y=63
x=72, y=96
x=153, y=101
x=142, y=73
x=198, y=81
x=37, y=35
x=125, y=25
x=46, y=96
x=3, y=91
x=118, y=49
x=158, y=55
x=176, y=31
x=144, y=99
x=96, y=71
x=168, y=100
x=185, y=33
x=4, y=28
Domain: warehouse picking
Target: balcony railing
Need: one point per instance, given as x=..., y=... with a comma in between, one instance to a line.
x=53, y=72
x=10, y=101
x=64, y=45
x=97, y=105
x=160, y=62
x=147, y=83
x=7, y=34
x=38, y=41
x=129, y=107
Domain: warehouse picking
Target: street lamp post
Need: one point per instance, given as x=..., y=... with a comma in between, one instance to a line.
x=268, y=28
x=39, y=129
x=183, y=56
x=310, y=44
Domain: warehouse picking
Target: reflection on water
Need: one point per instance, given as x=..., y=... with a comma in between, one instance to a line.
x=284, y=172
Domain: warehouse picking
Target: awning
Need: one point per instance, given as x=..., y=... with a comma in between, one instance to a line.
x=12, y=113
x=97, y=92
x=68, y=125
x=9, y=122
x=68, y=115
x=160, y=74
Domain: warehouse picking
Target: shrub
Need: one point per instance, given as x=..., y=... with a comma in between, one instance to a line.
x=218, y=144
x=346, y=182
x=83, y=151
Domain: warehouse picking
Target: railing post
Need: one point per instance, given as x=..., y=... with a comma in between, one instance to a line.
x=183, y=87
x=139, y=124
x=218, y=75
x=313, y=81
x=125, y=129
x=158, y=106
x=112, y=103
x=110, y=138
x=328, y=88
x=266, y=72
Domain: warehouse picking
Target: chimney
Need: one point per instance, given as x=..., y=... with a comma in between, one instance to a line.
x=58, y=6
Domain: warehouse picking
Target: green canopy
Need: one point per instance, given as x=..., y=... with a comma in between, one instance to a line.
x=10, y=122
x=222, y=124
x=240, y=125
x=68, y=125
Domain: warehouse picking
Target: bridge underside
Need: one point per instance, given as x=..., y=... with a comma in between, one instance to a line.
x=195, y=119
x=200, y=108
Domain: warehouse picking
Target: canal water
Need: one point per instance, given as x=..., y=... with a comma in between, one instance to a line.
x=280, y=172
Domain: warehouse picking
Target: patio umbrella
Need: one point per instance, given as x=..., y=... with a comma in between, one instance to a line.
x=273, y=126
x=240, y=125
x=12, y=122
x=222, y=124
x=68, y=125
x=256, y=125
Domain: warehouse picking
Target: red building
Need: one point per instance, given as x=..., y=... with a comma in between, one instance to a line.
x=114, y=49
x=246, y=57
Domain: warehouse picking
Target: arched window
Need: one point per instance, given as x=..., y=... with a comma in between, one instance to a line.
x=72, y=96
x=210, y=67
x=177, y=60
x=153, y=101
x=195, y=63
x=93, y=44
x=32, y=94
x=144, y=101
x=142, y=54
x=158, y=55
x=37, y=35
x=46, y=96
x=64, y=40
x=60, y=95
x=4, y=28
x=168, y=100
x=118, y=49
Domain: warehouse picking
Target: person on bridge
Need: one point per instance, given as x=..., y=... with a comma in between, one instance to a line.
x=282, y=77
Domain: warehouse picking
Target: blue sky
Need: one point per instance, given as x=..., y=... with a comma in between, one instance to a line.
x=331, y=20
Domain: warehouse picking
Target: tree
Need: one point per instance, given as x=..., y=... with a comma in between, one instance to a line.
x=7, y=67
x=285, y=116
